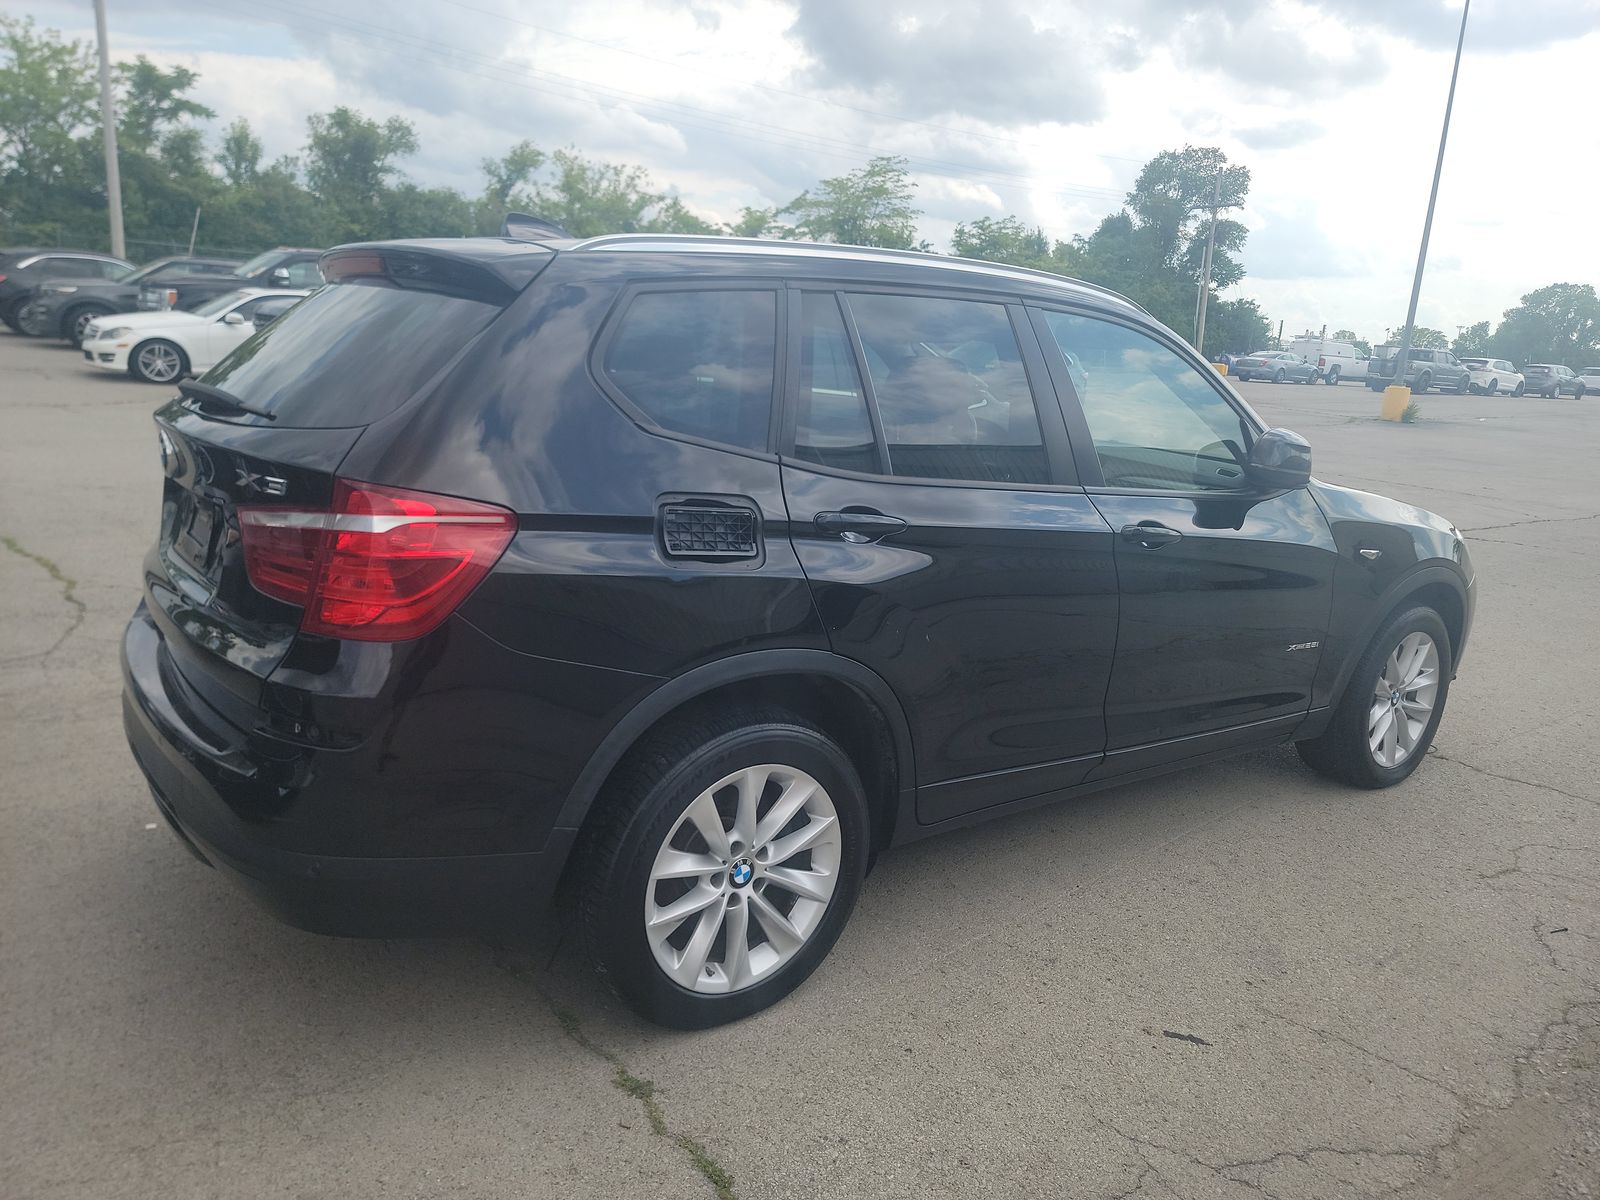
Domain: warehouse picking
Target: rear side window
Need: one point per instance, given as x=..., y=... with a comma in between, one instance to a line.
x=699, y=363
x=950, y=387
x=350, y=353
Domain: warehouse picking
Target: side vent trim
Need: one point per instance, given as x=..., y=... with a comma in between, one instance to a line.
x=709, y=531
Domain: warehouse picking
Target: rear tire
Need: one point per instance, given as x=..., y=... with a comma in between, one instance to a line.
x=1519, y=390
x=685, y=972
x=31, y=325
x=157, y=361
x=1277, y=376
x=1346, y=751
x=1332, y=378
x=1461, y=388
x=1493, y=389
x=1424, y=382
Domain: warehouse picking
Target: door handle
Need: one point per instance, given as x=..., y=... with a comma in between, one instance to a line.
x=1152, y=535
x=859, y=526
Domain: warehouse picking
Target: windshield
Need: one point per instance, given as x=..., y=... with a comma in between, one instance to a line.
x=144, y=272
x=258, y=264
x=218, y=305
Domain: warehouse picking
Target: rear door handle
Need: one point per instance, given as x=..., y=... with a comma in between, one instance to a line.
x=859, y=526
x=1152, y=535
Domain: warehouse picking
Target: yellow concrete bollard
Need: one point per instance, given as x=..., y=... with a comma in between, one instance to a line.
x=1220, y=368
x=1395, y=400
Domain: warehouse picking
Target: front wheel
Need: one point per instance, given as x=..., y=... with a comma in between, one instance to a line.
x=724, y=866
x=1391, y=708
x=76, y=322
x=157, y=361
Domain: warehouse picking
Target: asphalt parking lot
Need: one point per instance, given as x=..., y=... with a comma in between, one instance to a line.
x=1243, y=981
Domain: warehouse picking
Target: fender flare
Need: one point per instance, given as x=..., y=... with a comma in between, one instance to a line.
x=738, y=668
x=1414, y=581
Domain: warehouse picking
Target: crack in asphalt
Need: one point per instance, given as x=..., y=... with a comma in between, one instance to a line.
x=1533, y=521
x=1435, y=752
x=1330, y=1035
x=1429, y=1158
x=640, y=1088
x=68, y=594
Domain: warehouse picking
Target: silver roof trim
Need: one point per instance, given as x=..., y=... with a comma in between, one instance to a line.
x=91, y=255
x=666, y=242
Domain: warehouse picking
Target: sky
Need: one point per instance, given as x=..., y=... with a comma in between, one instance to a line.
x=1045, y=109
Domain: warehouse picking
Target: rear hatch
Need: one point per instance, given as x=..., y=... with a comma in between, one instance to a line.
x=250, y=455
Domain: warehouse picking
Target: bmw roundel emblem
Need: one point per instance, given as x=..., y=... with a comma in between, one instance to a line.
x=741, y=872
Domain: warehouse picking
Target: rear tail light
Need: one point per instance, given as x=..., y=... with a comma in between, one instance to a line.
x=1322, y=362
x=385, y=565
x=169, y=298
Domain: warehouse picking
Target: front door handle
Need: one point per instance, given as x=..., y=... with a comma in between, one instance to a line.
x=859, y=525
x=1152, y=535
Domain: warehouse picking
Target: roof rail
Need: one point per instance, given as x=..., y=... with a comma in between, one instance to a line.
x=785, y=246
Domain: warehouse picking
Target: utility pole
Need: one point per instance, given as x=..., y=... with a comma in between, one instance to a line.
x=1433, y=197
x=1205, y=268
x=108, y=126
x=194, y=230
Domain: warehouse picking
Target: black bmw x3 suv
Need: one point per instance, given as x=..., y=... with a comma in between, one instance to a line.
x=684, y=575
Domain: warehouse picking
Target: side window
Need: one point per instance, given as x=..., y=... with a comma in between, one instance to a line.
x=110, y=270
x=71, y=268
x=831, y=422
x=950, y=388
x=699, y=363
x=1156, y=422
x=305, y=274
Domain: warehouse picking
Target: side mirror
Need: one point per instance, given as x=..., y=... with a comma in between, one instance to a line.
x=233, y=318
x=1280, y=460
x=279, y=277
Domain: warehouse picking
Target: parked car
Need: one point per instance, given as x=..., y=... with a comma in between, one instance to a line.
x=63, y=307
x=161, y=347
x=23, y=269
x=1425, y=369
x=1490, y=376
x=1277, y=365
x=1336, y=361
x=497, y=564
x=280, y=268
x=1552, y=379
x=1590, y=378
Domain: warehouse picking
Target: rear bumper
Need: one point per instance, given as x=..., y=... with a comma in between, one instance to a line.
x=333, y=894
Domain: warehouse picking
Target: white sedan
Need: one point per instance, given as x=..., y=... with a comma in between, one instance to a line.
x=1493, y=375
x=160, y=347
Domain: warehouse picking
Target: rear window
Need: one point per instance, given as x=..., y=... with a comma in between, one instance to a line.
x=350, y=354
x=699, y=363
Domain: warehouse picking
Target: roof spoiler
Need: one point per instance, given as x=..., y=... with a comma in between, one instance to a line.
x=526, y=228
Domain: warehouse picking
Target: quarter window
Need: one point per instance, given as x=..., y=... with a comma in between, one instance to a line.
x=951, y=391
x=304, y=274
x=1156, y=422
x=831, y=422
x=699, y=363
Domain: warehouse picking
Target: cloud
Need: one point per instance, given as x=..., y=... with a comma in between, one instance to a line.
x=1282, y=135
x=1291, y=244
x=988, y=60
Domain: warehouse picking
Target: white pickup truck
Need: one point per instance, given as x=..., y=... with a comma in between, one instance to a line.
x=1335, y=361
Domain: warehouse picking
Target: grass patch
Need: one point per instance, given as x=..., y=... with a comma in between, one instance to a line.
x=1412, y=414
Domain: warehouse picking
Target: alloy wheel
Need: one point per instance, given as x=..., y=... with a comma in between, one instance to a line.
x=743, y=879
x=1402, y=700
x=159, y=362
x=81, y=323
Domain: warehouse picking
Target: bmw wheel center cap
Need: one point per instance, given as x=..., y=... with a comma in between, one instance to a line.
x=741, y=872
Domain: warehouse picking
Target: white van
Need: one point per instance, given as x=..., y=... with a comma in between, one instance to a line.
x=1335, y=360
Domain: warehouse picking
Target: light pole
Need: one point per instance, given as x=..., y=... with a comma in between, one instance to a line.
x=108, y=125
x=1433, y=197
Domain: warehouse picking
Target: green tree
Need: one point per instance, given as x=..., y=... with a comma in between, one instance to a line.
x=1171, y=200
x=1474, y=339
x=240, y=155
x=48, y=99
x=870, y=207
x=505, y=190
x=349, y=162
x=1006, y=240
x=151, y=104
x=1236, y=327
x=757, y=223
x=1559, y=323
x=1422, y=338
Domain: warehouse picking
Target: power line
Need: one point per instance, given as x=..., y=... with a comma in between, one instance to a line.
x=767, y=87
x=556, y=84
